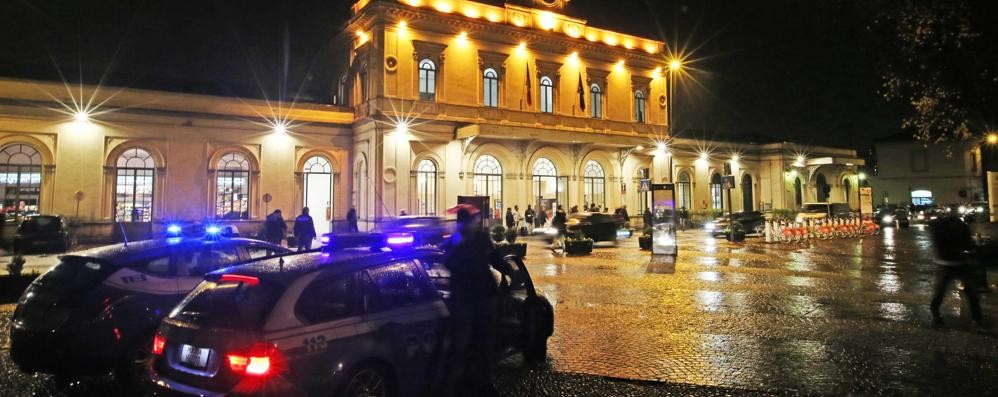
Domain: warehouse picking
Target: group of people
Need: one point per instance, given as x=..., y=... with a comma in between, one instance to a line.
x=275, y=229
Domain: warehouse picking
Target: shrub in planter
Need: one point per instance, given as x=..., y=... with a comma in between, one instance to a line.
x=644, y=241
x=579, y=246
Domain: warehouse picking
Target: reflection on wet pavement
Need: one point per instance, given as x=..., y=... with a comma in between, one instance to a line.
x=829, y=317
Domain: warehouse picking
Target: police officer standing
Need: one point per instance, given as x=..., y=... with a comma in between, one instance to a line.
x=304, y=230
x=469, y=254
x=275, y=227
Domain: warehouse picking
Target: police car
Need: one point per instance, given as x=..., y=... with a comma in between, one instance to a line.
x=96, y=311
x=350, y=322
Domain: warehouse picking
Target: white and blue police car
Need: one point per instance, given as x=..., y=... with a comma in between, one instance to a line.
x=344, y=322
x=96, y=310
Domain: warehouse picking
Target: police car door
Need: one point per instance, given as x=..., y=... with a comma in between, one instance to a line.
x=404, y=311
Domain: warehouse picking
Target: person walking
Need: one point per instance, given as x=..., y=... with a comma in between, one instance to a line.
x=559, y=222
x=275, y=228
x=954, y=248
x=684, y=217
x=304, y=230
x=624, y=214
x=510, y=219
x=528, y=216
x=647, y=218
x=469, y=254
x=352, y=220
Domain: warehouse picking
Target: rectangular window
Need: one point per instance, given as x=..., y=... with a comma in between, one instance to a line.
x=596, y=103
x=547, y=95
x=973, y=162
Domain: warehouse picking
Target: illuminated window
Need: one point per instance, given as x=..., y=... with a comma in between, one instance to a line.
x=232, y=187
x=716, y=200
x=595, y=184
x=426, y=187
x=639, y=106
x=491, y=85
x=921, y=197
x=21, y=176
x=547, y=95
x=317, y=190
x=488, y=182
x=427, y=80
x=684, y=191
x=133, y=190
x=595, y=101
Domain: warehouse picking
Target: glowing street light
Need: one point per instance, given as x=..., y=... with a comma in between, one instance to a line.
x=81, y=116
x=734, y=158
x=992, y=138
x=281, y=127
x=661, y=146
x=675, y=65
x=861, y=176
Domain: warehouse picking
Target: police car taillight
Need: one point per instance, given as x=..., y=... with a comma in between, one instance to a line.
x=261, y=360
x=399, y=239
x=239, y=278
x=158, y=344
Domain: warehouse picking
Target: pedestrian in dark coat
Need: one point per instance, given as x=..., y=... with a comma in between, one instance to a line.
x=304, y=230
x=528, y=216
x=954, y=257
x=352, y=220
x=469, y=255
x=510, y=219
x=276, y=229
x=647, y=218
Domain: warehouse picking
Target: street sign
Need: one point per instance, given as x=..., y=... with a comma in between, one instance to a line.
x=728, y=182
x=865, y=200
x=645, y=185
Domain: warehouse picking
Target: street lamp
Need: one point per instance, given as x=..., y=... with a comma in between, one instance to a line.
x=860, y=177
x=674, y=67
x=992, y=138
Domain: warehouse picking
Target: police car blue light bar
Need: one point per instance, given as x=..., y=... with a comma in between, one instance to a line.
x=397, y=239
x=212, y=230
x=174, y=229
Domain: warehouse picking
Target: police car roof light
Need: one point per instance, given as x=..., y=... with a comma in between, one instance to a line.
x=213, y=230
x=397, y=239
x=174, y=229
x=239, y=278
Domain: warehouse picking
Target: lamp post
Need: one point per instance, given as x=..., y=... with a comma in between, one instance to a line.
x=622, y=156
x=860, y=177
x=674, y=66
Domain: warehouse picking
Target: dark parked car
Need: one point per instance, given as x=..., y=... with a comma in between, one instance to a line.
x=41, y=233
x=752, y=222
x=425, y=230
x=96, y=310
x=594, y=225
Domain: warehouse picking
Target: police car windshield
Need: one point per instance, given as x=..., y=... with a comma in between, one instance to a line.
x=228, y=304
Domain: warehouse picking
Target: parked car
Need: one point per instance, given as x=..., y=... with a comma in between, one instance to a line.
x=751, y=222
x=812, y=211
x=343, y=323
x=96, y=310
x=43, y=233
x=925, y=213
x=425, y=229
x=594, y=225
x=977, y=212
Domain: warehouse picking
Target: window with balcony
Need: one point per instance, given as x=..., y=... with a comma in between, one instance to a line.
x=490, y=83
x=595, y=101
x=427, y=80
x=547, y=95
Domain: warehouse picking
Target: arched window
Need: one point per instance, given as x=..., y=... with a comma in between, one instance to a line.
x=490, y=83
x=847, y=191
x=426, y=187
x=544, y=167
x=716, y=200
x=821, y=188
x=594, y=184
x=232, y=187
x=639, y=106
x=427, y=80
x=748, y=196
x=596, y=101
x=547, y=95
x=549, y=188
x=488, y=182
x=798, y=193
x=317, y=194
x=21, y=174
x=133, y=189
x=684, y=191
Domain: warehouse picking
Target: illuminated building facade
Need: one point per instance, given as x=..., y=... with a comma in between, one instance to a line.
x=442, y=98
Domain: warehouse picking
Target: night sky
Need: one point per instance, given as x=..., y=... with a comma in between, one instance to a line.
x=763, y=70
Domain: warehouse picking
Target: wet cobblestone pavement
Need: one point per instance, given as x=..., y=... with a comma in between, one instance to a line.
x=839, y=317
x=827, y=317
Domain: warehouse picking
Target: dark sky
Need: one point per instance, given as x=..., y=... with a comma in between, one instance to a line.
x=781, y=69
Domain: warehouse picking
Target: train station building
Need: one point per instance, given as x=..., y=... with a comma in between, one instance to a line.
x=442, y=98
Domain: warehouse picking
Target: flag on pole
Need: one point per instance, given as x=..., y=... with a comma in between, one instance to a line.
x=582, y=94
x=529, y=96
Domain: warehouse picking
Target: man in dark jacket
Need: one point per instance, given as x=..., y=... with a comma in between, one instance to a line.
x=954, y=245
x=648, y=218
x=469, y=255
x=304, y=230
x=510, y=219
x=275, y=227
x=352, y=220
x=528, y=216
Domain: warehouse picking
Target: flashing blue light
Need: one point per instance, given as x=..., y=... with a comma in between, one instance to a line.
x=400, y=239
x=324, y=239
x=174, y=229
x=213, y=230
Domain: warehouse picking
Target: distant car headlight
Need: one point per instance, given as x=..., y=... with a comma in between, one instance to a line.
x=963, y=209
x=921, y=217
x=979, y=209
x=888, y=219
x=709, y=226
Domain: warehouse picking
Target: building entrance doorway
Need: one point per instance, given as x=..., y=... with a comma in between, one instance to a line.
x=318, y=192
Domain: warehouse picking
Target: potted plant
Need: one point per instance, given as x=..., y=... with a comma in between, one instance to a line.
x=14, y=284
x=644, y=241
x=578, y=244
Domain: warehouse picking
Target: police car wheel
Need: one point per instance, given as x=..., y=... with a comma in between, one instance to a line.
x=368, y=381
